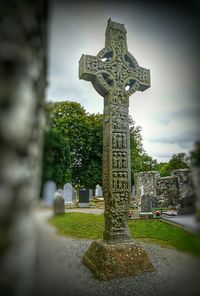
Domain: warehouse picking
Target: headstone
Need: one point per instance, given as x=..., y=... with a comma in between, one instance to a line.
x=68, y=193
x=83, y=198
x=59, y=204
x=90, y=194
x=98, y=191
x=116, y=75
x=148, y=202
x=74, y=196
x=49, y=190
x=133, y=191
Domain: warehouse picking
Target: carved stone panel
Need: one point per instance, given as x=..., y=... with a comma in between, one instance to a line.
x=116, y=75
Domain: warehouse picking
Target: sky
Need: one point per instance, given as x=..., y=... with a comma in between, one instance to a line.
x=161, y=37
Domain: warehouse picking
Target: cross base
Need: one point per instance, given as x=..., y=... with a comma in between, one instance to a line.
x=109, y=261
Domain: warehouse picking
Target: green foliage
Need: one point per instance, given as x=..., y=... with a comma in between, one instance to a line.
x=90, y=226
x=83, y=133
x=79, y=225
x=140, y=160
x=178, y=161
x=56, y=158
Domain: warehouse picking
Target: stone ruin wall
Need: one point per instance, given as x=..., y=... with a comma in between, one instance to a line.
x=186, y=190
x=167, y=191
x=148, y=180
x=22, y=92
x=196, y=184
x=171, y=191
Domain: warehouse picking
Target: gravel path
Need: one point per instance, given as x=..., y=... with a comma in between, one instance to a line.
x=60, y=270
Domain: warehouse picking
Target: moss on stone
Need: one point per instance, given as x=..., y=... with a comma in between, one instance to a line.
x=109, y=261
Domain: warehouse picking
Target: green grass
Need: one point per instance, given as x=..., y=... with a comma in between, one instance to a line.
x=90, y=226
x=79, y=225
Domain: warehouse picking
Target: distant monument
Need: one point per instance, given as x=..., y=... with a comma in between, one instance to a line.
x=115, y=75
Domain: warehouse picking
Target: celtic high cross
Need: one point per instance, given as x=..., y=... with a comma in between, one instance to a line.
x=116, y=75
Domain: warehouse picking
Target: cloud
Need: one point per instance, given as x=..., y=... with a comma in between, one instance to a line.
x=162, y=40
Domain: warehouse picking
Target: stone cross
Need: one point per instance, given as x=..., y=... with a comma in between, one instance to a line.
x=115, y=74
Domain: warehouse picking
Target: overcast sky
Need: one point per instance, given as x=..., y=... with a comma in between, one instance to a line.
x=162, y=38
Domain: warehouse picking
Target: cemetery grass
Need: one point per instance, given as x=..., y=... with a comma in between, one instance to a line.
x=91, y=226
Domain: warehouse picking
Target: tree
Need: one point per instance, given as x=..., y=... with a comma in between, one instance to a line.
x=178, y=161
x=56, y=158
x=83, y=132
x=140, y=160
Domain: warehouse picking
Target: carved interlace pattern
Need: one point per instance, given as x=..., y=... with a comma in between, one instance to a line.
x=116, y=75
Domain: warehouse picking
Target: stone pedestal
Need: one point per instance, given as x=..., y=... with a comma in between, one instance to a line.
x=116, y=75
x=108, y=261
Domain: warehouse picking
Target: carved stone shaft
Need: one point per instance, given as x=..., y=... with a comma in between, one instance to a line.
x=116, y=75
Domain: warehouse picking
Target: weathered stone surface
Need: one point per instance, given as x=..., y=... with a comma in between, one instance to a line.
x=148, y=202
x=196, y=184
x=167, y=189
x=186, y=191
x=171, y=191
x=109, y=261
x=22, y=91
x=116, y=75
x=59, y=204
x=145, y=183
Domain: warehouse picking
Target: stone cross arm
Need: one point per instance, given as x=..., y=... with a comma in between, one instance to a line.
x=114, y=67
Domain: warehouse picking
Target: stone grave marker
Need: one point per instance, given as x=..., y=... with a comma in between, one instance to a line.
x=83, y=198
x=74, y=195
x=90, y=194
x=115, y=74
x=133, y=192
x=98, y=191
x=68, y=194
x=49, y=190
x=148, y=202
x=59, y=204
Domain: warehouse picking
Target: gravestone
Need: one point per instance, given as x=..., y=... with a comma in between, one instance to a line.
x=59, y=204
x=98, y=191
x=68, y=194
x=83, y=198
x=148, y=202
x=90, y=194
x=115, y=74
x=74, y=195
x=49, y=190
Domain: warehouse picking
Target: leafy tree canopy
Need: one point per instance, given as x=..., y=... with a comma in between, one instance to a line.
x=74, y=145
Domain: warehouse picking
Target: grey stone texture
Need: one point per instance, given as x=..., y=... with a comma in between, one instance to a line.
x=68, y=194
x=176, y=190
x=59, y=204
x=145, y=183
x=196, y=184
x=115, y=74
x=148, y=202
x=22, y=91
x=49, y=190
x=186, y=191
x=167, y=190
